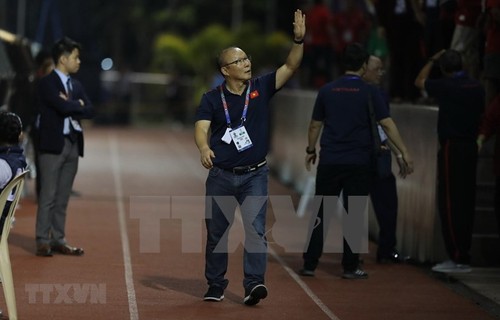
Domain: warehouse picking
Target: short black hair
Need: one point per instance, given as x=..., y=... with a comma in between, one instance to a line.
x=64, y=46
x=354, y=56
x=10, y=128
x=451, y=61
x=219, y=61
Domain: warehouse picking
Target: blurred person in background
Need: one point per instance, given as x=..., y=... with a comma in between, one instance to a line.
x=403, y=21
x=44, y=65
x=383, y=193
x=319, y=44
x=466, y=36
x=351, y=24
x=12, y=159
x=460, y=101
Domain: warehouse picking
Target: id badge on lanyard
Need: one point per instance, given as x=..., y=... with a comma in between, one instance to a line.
x=239, y=136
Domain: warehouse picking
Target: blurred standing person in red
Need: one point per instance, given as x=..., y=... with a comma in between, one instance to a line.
x=466, y=34
x=351, y=25
x=319, y=44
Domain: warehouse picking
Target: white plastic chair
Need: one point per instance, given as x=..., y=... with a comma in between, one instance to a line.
x=15, y=185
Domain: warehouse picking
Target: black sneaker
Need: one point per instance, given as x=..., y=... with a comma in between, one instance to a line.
x=355, y=274
x=214, y=293
x=306, y=273
x=393, y=257
x=253, y=296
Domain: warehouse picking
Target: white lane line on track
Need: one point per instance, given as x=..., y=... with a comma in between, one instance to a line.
x=303, y=285
x=129, y=279
x=178, y=146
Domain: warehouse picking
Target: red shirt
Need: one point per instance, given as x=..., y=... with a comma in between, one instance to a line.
x=351, y=26
x=319, y=22
x=468, y=11
x=493, y=29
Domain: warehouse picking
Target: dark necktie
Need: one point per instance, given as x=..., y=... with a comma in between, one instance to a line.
x=72, y=133
x=69, y=86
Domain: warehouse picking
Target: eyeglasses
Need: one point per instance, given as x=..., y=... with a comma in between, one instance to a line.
x=239, y=62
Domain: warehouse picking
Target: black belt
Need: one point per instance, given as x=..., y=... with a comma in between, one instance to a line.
x=71, y=138
x=247, y=169
x=72, y=135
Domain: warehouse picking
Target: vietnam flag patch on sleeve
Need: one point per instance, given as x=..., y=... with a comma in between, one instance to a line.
x=254, y=94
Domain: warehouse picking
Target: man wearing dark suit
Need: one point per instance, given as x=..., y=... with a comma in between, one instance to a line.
x=63, y=103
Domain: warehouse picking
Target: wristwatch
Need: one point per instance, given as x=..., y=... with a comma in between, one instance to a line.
x=313, y=151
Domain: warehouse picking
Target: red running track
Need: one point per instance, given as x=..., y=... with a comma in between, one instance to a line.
x=123, y=276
